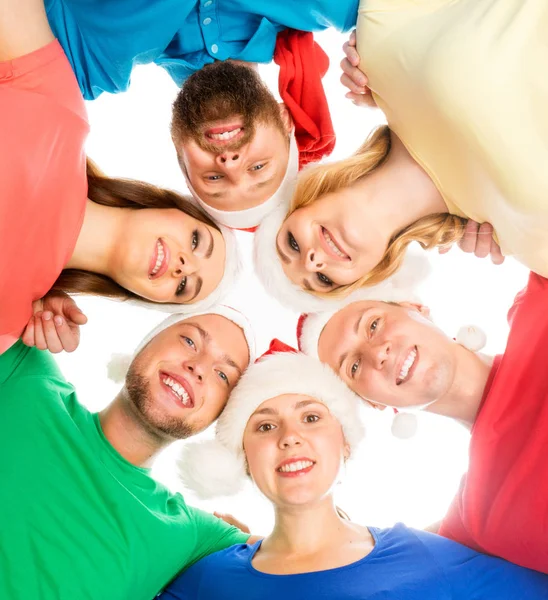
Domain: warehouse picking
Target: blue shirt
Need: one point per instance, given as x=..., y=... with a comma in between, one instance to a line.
x=405, y=564
x=105, y=39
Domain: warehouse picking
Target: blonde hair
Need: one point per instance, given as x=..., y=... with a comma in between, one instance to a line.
x=441, y=229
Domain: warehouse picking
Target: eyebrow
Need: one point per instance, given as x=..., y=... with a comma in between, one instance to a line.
x=231, y=363
x=211, y=246
x=255, y=186
x=355, y=329
x=281, y=254
x=273, y=411
x=199, y=283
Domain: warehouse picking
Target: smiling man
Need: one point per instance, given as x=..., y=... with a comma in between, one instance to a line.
x=80, y=515
x=391, y=354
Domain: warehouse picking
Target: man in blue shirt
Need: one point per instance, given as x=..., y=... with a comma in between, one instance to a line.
x=237, y=182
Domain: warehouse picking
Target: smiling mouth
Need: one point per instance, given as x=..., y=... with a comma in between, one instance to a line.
x=296, y=467
x=224, y=134
x=177, y=390
x=158, y=262
x=407, y=367
x=332, y=246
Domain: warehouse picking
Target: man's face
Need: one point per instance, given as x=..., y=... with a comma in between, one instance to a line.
x=391, y=355
x=231, y=136
x=180, y=382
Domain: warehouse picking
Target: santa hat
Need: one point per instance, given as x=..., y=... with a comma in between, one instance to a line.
x=231, y=274
x=250, y=218
x=310, y=327
x=302, y=64
x=218, y=467
x=119, y=364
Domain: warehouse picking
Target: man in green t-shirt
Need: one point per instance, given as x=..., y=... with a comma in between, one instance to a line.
x=80, y=516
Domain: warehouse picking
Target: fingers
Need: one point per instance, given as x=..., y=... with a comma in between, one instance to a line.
x=483, y=242
x=444, y=249
x=53, y=333
x=354, y=73
x=496, y=254
x=349, y=48
x=468, y=241
x=49, y=332
x=28, y=335
x=351, y=84
x=39, y=336
x=362, y=99
x=69, y=336
x=227, y=518
x=75, y=315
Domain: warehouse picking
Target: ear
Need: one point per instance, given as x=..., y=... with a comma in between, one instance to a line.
x=346, y=451
x=286, y=117
x=421, y=308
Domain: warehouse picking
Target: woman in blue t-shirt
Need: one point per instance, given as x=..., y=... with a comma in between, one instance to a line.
x=290, y=425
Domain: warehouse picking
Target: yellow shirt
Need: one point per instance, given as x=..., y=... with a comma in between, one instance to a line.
x=464, y=84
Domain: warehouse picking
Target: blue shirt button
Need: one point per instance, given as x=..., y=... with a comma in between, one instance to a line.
x=206, y=21
x=208, y=3
x=214, y=48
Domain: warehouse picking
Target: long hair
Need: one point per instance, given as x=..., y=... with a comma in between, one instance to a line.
x=441, y=229
x=121, y=193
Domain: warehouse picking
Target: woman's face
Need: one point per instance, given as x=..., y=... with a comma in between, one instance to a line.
x=330, y=243
x=295, y=449
x=167, y=256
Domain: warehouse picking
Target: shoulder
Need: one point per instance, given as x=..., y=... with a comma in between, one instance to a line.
x=21, y=363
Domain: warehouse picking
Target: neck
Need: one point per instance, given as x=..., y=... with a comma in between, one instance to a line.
x=102, y=226
x=296, y=530
x=463, y=400
x=401, y=191
x=128, y=434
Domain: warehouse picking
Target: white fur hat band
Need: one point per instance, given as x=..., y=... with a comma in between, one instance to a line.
x=119, y=363
x=217, y=467
x=251, y=217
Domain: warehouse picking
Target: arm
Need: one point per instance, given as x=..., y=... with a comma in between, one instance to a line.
x=24, y=28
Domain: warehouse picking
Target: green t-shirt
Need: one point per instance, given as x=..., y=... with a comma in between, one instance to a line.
x=77, y=520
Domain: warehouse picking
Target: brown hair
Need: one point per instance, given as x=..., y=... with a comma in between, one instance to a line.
x=440, y=229
x=121, y=193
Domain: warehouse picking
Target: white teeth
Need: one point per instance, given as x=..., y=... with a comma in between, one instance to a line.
x=159, y=258
x=226, y=135
x=295, y=466
x=178, y=389
x=408, y=363
x=332, y=244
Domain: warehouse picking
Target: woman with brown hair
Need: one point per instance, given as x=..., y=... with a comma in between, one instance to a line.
x=65, y=232
x=462, y=143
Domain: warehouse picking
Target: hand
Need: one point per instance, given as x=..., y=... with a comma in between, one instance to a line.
x=478, y=239
x=354, y=79
x=232, y=521
x=55, y=324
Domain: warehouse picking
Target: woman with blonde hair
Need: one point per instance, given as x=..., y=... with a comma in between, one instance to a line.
x=461, y=144
x=67, y=228
x=290, y=425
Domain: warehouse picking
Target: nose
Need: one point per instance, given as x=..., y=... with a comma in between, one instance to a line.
x=195, y=369
x=184, y=265
x=380, y=354
x=314, y=261
x=228, y=159
x=289, y=438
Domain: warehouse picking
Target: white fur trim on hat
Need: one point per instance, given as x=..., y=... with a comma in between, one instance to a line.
x=233, y=268
x=283, y=373
x=119, y=364
x=251, y=217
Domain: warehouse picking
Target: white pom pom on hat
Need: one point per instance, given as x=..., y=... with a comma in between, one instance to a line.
x=248, y=219
x=205, y=468
x=119, y=364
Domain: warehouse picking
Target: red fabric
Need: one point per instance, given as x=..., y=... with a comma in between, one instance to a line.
x=277, y=346
x=43, y=184
x=302, y=64
x=502, y=505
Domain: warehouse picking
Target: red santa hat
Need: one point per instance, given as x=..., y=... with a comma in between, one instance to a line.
x=119, y=364
x=218, y=467
x=302, y=65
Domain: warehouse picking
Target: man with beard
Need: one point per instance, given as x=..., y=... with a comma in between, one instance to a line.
x=389, y=352
x=80, y=516
x=237, y=179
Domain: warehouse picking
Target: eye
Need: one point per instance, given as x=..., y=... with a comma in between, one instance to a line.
x=213, y=177
x=374, y=325
x=324, y=280
x=195, y=239
x=258, y=167
x=181, y=287
x=292, y=242
x=223, y=377
x=265, y=427
x=354, y=369
x=311, y=419
x=188, y=341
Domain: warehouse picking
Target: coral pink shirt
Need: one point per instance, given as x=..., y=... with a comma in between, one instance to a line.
x=502, y=505
x=43, y=184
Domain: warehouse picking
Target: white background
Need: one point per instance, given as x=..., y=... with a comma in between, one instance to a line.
x=389, y=480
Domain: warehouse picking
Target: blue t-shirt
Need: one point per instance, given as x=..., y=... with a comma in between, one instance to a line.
x=105, y=39
x=405, y=564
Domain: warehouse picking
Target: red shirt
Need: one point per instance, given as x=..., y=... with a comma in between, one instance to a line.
x=502, y=505
x=43, y=184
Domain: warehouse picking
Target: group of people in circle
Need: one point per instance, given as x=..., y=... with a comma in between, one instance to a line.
x=461, y=160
